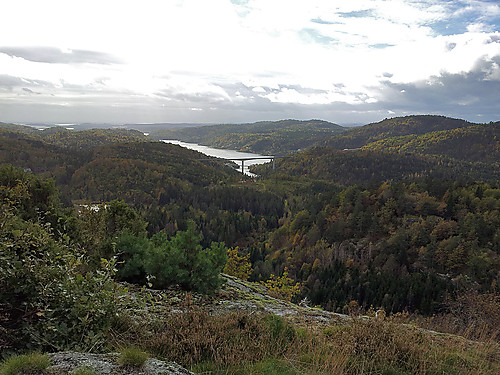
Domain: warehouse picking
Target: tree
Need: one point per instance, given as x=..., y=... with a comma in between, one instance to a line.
x=238, y=265
x=282, y=286
x=179, y=260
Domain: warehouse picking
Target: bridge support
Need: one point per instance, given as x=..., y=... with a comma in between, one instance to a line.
x=243, y=166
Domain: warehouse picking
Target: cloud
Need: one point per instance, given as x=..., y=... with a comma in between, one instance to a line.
x=472, y=94
x=250, y=58
x=53, y=55
x=29, y=91
x=8, y=82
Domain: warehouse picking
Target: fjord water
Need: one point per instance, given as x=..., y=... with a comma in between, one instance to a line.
x=225, y=154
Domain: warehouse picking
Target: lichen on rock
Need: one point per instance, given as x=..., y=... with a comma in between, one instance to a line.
x=107, y=364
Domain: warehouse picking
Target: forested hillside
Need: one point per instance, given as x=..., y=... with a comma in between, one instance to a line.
x=402, y=149
x=267, y=137
x=403, y=246
x=168, y=184
x=394, y=127
x=366, y=166
x=62, y=137
x=439, y=171
x=18, y=128
x=472, y=143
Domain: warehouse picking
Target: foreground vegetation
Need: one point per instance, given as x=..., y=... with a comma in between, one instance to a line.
x=240, y=343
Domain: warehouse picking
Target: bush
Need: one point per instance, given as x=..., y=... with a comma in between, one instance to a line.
x=51, y=298
x=27, y=363
x=133, y=253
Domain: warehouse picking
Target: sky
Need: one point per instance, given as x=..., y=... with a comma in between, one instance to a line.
x=234, y=61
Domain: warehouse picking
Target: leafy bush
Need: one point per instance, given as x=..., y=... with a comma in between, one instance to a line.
x=50, y=297
x=27, y=363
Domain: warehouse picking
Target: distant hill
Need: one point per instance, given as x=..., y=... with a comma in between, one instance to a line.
x=403, y=148
x=266, y=137
x=367, y=166
x=144, y=173
x=472, y=143
x=394, y=127
x=106, y=164
x=90, y=138
x=62, y=137
x=6, y=127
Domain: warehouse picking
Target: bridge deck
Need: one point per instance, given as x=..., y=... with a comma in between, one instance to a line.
x=243, y=159
x=270, y=158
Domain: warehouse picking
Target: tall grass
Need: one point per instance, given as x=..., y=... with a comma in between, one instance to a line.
x=246, y=343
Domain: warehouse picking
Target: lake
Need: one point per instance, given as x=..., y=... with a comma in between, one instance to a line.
x=225, y=154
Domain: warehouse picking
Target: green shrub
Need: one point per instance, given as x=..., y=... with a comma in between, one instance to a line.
x=282, y=287
x=132, y=357
x=27, y=363
x=51, y=297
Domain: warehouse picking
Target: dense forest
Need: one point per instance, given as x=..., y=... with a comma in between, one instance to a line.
x=403, y=246
x=394, y=127
x=266, y=137
x=408, y=223
x=471, y=143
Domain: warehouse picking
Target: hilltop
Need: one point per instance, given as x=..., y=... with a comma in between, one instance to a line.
x=402, y=148
x=472, y=143
x=395, y=127
x=62, y=137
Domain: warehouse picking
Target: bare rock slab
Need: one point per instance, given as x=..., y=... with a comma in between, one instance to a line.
x=107, y=364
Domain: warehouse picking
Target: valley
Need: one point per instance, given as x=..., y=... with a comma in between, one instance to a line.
x=400, y=216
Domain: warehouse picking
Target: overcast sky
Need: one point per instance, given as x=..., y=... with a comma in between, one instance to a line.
x=220, y=61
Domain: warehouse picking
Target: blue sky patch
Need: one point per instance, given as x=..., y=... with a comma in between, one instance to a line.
x=358, y=14
x=316, y=36
x=381, y=45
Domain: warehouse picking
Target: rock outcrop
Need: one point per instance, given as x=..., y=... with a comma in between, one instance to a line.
x=107, y=364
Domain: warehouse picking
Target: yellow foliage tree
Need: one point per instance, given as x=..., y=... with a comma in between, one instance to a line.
x=282, y=287
x=238, y=266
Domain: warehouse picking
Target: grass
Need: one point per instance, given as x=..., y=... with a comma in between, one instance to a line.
x=132, y=357
x=249, y=343
x=269, y=366
x=26, y=363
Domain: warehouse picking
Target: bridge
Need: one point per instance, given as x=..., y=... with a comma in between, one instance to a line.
x=271, y=158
